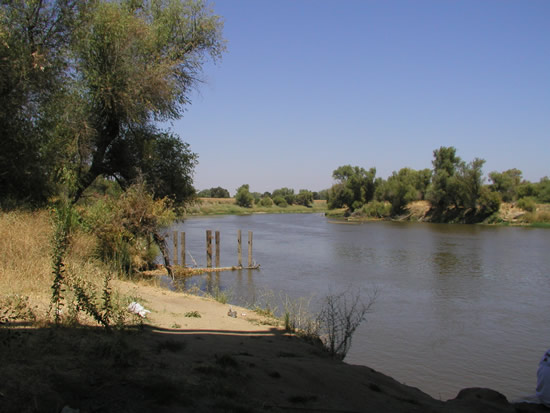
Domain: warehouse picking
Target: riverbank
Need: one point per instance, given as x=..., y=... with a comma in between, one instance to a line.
x=189, y=355
x=420, y=211
x=227, y=206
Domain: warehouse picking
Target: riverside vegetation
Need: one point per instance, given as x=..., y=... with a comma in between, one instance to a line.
x=58, y=270
x=88, y=181
x=55, y=357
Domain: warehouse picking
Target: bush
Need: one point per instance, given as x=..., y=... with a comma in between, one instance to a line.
x=527, y=204
x=304, y=198
x=280, y=201
x=488, y=202
x=266, y=201
x=537, y=217
x=377, y=209
x=243, y=197
x=127, y=228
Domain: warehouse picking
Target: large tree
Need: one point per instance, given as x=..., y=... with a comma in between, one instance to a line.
x=83, y=84
x=137, y=62
x=455, y=183
x=34, y=39
x=444, y=188
x=506, y=183
x=402, y=187
x=355, y=187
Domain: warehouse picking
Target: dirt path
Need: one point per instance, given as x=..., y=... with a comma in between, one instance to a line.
x=191, y=356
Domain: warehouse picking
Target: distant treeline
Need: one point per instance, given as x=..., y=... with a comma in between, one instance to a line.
x=455, y=189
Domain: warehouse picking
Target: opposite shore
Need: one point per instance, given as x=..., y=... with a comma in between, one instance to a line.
x=418, y=211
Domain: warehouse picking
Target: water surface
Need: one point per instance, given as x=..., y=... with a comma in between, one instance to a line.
x=458, y=305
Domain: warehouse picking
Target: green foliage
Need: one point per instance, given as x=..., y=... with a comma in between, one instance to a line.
x=323, y=194
x=243, y=197
x=355, y=186
x=488, y=203
x=286, y=193
x=304, y=198
x=63, y=220
x=455, y=183
x=527, y=204
x=126, y=226
x=543, y=190
x=161, y=159
x=401, y=188
x=266, y=202
x=280, y=201
x=34, y=38
x=377, y=209
x=506, y=183
x=82, y=85
x=339, y=196
x=527, y=189
x=470, y=180
x=257, y=197
x=86, y=301
x=15, y=307
x=217, y=192
x=540, y=219
x=62, y=227
x=192, y=314
x=444, y=187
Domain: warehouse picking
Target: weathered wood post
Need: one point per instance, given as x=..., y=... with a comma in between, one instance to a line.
x=240, y=247
x=250, y=248
x=183, y=249
x=209, y=248
x=217, y=248
x=175, y=238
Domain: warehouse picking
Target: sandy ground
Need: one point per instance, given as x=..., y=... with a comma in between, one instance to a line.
x=180, y=362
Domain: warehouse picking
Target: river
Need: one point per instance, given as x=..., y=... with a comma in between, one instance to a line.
x=458, y=305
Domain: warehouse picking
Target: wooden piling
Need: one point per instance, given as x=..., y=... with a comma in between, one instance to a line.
x=209, y=248
x=175, y=238
x=217, y=248
x=250, y=248
x=182, y=249
x=240, y=247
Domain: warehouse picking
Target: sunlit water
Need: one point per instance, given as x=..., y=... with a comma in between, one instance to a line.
x=458, y=305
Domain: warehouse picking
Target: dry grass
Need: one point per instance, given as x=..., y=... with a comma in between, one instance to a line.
x=25, y=252
x=25, y=260
x=217, y=200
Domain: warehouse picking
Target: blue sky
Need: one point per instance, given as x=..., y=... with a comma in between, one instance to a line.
x=309, y=85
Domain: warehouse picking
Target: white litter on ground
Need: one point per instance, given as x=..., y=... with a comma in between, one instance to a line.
x=138, y=309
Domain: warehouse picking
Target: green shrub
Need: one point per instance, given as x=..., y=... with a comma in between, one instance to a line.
x=488, y=202
x=126, y=227
x=266, y=202
x=377, y=209
x=537, y=217
x=243, y=197
x=527, y=204
x=280, y=201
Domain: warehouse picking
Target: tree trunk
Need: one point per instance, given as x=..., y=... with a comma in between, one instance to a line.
x=161, y=242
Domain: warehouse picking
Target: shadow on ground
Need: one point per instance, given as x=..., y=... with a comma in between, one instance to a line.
x=161, y=370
